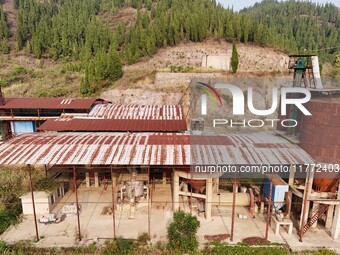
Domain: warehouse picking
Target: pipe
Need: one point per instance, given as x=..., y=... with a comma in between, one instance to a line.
x=33, y=204
x=77, y=204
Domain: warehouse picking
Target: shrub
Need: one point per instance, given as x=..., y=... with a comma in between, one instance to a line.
x=182, y=232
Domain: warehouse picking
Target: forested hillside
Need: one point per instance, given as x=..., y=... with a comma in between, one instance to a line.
x=77, y=32
x=303, y=26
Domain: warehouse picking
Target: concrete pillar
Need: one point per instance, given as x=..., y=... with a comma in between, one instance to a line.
x=96, y=180
x=336, y=221
x=329, y=218
x=114, y=184
x=164, y=179
x=175, y=191
x=306, y=195
x=290, y=195
x=208, y=200
x=87, y=179
x=291, y=176
x=216, y=185
x=315, y=208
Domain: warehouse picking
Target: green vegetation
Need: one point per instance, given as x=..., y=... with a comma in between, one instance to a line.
x=127, y=247
x=337, y=65
x=13, y=184
x=182, y=232
x=4, y=32
x=76, y=31
x=304, y=27
x=72, y=31
x=234, y=59
x=10, y=189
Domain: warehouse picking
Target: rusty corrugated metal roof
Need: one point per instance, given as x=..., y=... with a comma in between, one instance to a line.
x=134, y=118
x=102, y=125
x=138, y=112
x=149, y=149
x=49, y=103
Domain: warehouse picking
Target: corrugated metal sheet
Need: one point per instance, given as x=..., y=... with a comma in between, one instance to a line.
x=89, y=124
x=138, y=112
x=147, y=118
x=149, y=149
x=49, y=103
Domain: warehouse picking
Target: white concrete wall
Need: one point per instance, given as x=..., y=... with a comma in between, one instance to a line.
x=221, y=62
x=42, y=200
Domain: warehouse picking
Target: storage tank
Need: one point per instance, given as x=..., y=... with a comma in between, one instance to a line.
x=320, y=135
x=134, y=189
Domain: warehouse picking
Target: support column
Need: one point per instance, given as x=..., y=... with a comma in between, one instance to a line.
x=208, y=200
x=96, y=180
x=87, y=179
x=114, y=198
x=291, y=176
x=233, y=211
x=336, y=220
x=164, y=179
x=33, y=203
x=77, y=204
x=216, y=185
x=330, y=214
x=305, y=202
x=175, y=190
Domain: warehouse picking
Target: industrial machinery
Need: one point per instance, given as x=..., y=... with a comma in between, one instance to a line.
x=132, y=193
x=306, y=71
x=279, y=189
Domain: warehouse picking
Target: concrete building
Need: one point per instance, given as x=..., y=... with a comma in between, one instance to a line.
x=45, y=201
x=24, y=115
x=220, y=62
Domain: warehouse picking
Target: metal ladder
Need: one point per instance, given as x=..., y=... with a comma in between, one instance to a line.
x=321, y=209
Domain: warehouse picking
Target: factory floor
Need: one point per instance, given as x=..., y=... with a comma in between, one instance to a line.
x=97, y=222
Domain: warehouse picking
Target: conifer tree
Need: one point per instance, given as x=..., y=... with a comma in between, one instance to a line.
x=234, y=59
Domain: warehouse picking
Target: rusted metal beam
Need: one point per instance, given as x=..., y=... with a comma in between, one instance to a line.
x=149, y=218
x=233, y=212
x=113, y=203
x=304, y=208
x=33, y=203
x=269, y=207
x=77, y=204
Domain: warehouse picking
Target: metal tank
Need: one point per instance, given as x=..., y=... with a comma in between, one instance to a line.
x=134, y=189
x=319, y=135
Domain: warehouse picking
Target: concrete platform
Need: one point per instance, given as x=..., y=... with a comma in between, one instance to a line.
x=96, y=226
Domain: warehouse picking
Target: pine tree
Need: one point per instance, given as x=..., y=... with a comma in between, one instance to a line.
x=234, y=59
x=85, y=85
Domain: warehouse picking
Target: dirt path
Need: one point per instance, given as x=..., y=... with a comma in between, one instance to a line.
x=12, y=21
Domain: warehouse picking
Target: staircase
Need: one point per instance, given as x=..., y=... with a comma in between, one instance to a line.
x=321, y=210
